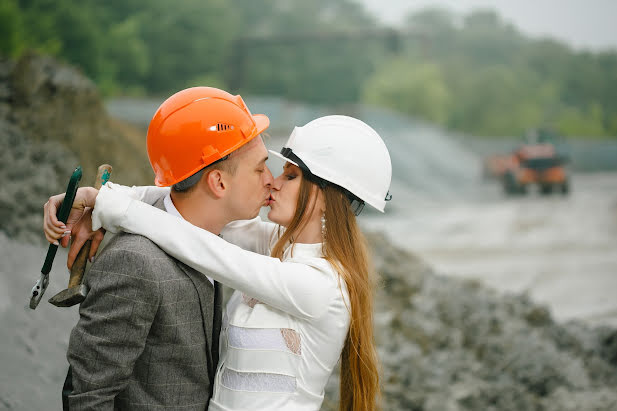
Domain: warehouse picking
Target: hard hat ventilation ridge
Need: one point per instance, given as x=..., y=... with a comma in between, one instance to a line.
x=221, y=127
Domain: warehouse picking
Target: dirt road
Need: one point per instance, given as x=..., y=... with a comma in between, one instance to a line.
x=562, y=251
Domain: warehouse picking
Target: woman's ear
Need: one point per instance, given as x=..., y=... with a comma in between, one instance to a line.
x=216, y=183
x=320, y=201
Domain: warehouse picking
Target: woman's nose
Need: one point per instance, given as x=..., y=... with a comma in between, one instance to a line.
x=277, y=183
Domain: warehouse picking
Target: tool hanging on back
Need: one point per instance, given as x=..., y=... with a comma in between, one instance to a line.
x=41, y=285
x=76, y=292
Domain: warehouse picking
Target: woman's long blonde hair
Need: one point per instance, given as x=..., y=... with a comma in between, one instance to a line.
x=345, y=248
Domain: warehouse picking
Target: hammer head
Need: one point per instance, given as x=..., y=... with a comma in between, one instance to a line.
x=70, y=296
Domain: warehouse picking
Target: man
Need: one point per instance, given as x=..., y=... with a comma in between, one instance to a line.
x=148, y=331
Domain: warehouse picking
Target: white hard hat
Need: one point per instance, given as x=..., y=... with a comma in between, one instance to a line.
x=346, y=152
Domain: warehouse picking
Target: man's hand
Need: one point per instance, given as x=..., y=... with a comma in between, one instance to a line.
x=82, y=232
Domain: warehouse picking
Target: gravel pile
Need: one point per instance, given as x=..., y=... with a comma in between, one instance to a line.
x=29, y=170
x=452, y=345
x=51, y=120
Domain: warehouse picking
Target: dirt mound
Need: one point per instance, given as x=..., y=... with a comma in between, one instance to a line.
x=449, y=344
x=51, y=120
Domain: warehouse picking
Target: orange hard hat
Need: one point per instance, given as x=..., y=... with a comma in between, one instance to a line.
x=194, y=128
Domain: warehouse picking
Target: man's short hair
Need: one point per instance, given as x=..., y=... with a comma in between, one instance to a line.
x=228, y=164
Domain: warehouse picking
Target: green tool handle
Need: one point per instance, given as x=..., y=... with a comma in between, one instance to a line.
x=62, y=215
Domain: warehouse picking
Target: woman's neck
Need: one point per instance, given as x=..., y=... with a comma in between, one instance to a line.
x=310, y=233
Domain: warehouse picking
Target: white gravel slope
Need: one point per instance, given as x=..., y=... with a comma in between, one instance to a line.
x=32, y=342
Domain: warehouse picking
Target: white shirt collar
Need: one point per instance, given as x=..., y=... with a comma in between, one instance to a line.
x=171, y=209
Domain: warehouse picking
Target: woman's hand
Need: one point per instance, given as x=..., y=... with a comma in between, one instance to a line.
x=78, y=224
x=54, y=229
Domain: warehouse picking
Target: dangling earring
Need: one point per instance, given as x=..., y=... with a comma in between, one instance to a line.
x=323, y=227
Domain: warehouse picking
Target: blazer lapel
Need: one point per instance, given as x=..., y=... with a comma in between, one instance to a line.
x=216, y=323
x=206, y=292
x=208, y=303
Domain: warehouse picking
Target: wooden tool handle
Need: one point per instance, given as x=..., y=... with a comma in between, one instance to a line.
x=79, y=266
x=102, y=175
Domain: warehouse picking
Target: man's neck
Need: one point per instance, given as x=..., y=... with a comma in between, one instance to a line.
x=200, y=211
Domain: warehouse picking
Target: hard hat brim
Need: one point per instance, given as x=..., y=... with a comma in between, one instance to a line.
x=262, y=122
x=279, y=155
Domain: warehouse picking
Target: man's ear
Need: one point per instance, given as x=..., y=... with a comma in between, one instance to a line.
x=217, y=183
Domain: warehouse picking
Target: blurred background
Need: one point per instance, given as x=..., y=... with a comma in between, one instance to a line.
x=498, y=251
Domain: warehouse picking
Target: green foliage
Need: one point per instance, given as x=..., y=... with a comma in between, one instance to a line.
x=497, y=82
x=126, y=45
x=579, y=123
x=132, y=46
x=11, y=28
x=299, y=49
x=473, y=73
x=187, y=38
x=432, y=21
x=500, y=100
x=417, y=89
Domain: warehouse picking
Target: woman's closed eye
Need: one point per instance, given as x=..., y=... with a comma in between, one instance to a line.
x=290, y=176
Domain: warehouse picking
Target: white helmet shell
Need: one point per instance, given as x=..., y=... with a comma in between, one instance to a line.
x=345, y=151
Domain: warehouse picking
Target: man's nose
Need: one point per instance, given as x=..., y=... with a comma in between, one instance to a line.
x=269, y=179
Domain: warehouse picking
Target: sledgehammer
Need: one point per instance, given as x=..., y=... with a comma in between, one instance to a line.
x=76, y=291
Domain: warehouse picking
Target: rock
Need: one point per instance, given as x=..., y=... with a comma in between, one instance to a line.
x=31, y=172
x=602, y=399
x=451, y=344
x=51, y=120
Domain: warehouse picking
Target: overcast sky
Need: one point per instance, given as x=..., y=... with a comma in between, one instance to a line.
x=580, y=23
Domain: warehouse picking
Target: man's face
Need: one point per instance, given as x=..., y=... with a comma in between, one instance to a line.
x=250, y=186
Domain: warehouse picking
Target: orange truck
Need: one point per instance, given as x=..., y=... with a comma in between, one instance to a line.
x=536, y=164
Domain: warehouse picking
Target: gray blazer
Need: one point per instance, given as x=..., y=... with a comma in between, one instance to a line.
x=148, y=331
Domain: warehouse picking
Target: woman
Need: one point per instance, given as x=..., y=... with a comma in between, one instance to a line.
x=278, y=344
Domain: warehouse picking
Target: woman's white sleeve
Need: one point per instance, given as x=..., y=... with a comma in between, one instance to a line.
x=147, y=194
x=303, y=289
x=253, y=235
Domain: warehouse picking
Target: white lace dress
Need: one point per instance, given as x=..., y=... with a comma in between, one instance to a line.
x=284, y=327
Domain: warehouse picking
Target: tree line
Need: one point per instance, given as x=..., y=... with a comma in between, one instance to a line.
x=474, y=73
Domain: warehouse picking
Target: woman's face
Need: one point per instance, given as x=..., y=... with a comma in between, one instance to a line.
x=284, y=195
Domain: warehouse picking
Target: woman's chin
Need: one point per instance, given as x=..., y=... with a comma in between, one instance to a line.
x=272, y=217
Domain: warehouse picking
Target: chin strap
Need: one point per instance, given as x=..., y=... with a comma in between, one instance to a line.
x=357, y=206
